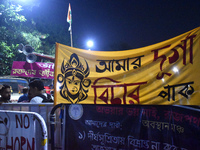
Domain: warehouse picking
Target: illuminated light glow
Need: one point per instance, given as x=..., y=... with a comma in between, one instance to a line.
x=58, y=86
x=163, y=80
x=175, y=70
x=90, y=43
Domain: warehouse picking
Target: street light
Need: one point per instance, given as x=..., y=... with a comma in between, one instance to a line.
x=90, y=44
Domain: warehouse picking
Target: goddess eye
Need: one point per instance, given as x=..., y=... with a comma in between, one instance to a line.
x=68, y=81
x=76, y=82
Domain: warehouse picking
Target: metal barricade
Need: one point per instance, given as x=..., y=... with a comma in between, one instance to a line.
x=44, y=109
x=54, y=125
x=22, y=130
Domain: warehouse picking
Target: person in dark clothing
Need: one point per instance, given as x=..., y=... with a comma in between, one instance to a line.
x=48, y=96
x=35, y=93
x=5, y=92
x=24, y=97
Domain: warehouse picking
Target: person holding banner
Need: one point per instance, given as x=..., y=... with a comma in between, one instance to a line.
x=5, y=91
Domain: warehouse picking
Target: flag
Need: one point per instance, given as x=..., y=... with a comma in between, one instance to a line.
x=69, y=17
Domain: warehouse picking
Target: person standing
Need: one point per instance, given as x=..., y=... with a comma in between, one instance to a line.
x=24, y=97
x=48, y=96
x=5, y=92
x=35, y=92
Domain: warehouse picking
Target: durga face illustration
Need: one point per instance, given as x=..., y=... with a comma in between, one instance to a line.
x=74, y=86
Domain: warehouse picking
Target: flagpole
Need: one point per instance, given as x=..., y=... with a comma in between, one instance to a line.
x=71, y=35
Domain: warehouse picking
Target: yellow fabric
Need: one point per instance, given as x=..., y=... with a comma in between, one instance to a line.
x=165, y=73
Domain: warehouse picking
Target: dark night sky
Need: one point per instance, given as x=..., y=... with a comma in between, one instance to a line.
x=137, y=23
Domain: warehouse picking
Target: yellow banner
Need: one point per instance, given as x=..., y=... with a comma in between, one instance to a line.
x=165, y=73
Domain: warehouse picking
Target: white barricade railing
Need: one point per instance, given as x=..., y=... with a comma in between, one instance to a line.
x=22, y=130
x=44, y=109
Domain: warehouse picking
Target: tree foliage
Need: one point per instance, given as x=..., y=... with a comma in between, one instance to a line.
x=15, y=28
x=10, y=21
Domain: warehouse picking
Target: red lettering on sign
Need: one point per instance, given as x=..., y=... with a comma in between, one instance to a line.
x=21, y=143
x=23, y=122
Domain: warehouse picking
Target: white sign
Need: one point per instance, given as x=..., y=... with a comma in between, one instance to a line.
x=18, y=130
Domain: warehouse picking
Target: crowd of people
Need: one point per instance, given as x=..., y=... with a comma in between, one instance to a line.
x=35, y=93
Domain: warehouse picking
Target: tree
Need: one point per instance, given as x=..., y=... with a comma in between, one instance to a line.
x=10, y=21
x=36, y=30
x=15, y=29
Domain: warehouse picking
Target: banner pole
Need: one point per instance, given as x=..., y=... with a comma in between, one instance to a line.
x=71, y=35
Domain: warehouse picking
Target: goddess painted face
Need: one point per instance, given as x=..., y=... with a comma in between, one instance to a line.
x=73, y=84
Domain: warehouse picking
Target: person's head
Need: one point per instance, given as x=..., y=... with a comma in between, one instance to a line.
x=5, y=92
x=25, y=90
x=35, y=88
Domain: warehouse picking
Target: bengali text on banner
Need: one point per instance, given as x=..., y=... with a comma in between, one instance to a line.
x=165, y=73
